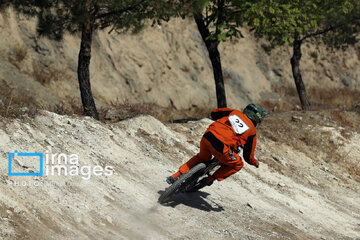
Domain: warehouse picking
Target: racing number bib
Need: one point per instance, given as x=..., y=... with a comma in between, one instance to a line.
x=238, y=125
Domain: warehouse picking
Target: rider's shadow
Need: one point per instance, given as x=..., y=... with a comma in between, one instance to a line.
x=195, y=200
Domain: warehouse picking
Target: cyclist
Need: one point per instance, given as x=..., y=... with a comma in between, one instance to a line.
x=231, y=129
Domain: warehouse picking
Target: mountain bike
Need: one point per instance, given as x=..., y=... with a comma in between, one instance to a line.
x=188, y=182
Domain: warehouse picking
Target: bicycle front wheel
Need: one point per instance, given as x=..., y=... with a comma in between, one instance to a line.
x=181, y=182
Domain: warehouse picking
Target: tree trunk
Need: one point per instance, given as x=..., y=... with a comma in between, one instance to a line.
x=295, y=65
x=212, y=47
x=84, y=71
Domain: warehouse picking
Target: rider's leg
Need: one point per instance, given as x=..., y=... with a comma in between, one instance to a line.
x=203, y=183
x=203, y=156
x=229, y=166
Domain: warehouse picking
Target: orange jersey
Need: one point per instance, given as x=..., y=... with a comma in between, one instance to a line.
x=233, y=128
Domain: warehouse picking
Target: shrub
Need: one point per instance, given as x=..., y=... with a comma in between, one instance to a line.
x=45, y=75
x=17, y=54
x=314, y=56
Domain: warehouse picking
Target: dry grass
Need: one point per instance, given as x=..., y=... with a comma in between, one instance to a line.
x=40, y=73
x=17, y=54
x=120, y=111
x=340, y=117
x=13, y=104
x=354, y=171
x=20, y=52
x=310, y=136
x=320, y=98
x=45, y=75
x=71, y=107
x=343, y=98
x=306, y=136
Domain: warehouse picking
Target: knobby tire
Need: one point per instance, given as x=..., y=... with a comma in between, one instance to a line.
x=181, y=182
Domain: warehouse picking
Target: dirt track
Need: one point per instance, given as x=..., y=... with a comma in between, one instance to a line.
x=291, y=196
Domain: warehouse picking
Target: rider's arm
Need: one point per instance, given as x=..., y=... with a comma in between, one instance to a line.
x=249, y=150
x=220, y=112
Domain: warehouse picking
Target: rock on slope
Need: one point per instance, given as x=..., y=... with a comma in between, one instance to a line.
x=300, y=198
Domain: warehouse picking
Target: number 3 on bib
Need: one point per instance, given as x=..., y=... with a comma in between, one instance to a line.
x=237, y=124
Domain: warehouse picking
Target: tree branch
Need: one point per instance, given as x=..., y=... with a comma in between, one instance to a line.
x=331, y=28
x=120, y=11
x=206, y=16
x=318, y=33
x=204, y=31
x=220, y=16
x=208, y=20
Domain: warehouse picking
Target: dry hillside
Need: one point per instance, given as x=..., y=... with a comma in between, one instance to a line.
x=165, y=66
x=305, y=188
x=308, y=183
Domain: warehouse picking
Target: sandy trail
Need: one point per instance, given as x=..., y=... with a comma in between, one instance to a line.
x=290, y=196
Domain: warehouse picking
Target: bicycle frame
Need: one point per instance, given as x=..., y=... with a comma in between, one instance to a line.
x=210, y=165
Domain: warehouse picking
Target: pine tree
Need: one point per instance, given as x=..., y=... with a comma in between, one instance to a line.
x=217, y=21
x=56, y=17
x=333, y=22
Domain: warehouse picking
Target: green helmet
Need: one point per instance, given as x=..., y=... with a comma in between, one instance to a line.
x=255, y=113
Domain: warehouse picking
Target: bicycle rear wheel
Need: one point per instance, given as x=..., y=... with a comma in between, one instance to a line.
x=181, y=182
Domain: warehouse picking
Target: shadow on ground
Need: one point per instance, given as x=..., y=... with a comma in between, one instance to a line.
x=197, y=200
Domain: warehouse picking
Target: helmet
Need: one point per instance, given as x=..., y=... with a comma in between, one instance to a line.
x=255, y=113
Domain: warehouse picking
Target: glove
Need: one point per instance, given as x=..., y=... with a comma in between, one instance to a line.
x=232, y=156
x=238, y=150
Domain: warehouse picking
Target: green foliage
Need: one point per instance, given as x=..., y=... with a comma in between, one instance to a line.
x=333, y=21
x=222, y=18
x=55, y=17
x=267, y=48
x=314, y=56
